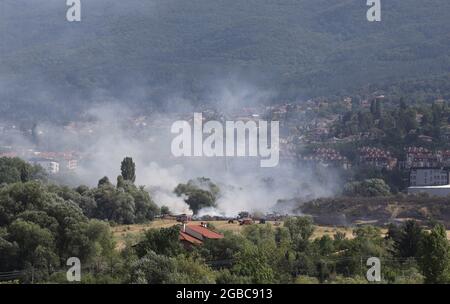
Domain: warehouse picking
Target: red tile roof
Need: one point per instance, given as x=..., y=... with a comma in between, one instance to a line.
x=186, y=237
x=205, y=232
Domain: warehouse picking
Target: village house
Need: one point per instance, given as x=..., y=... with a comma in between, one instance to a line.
x=196, y=234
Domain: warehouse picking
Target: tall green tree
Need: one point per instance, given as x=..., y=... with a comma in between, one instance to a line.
x=434, y=260
x=301, y=230
x=253, y=262
x=128, y=169
x=409, y=240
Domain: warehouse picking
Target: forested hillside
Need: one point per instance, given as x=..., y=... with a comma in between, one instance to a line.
x=148, y=51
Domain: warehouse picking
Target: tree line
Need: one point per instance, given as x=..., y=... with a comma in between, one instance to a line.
x=42, y=225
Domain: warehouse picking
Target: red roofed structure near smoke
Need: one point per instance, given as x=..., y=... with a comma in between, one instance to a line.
x=184, y=237
x=196, y=234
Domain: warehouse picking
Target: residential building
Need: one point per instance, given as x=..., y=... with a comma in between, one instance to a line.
x=419, y=157
x=49, y=165
x=69, y=164
x=429, y=177
x=378, y=158
x=327, y=157
x=191, y=235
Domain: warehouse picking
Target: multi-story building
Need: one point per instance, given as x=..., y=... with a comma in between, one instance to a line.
x=69, y=164
x=429, y=177
x=378, y=158
x=445, y=158
x=327, y=157
x=49, y=165
x=419, y=157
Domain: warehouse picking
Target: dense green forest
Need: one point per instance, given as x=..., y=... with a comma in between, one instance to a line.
x=150, y=51
x=42, y=225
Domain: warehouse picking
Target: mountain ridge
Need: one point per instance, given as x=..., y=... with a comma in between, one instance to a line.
x=297, y=48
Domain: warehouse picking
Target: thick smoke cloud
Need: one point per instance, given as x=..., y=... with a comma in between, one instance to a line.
x=115, y=132
x=112, y=130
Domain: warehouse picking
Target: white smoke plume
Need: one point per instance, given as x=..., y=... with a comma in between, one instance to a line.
x=112, y=131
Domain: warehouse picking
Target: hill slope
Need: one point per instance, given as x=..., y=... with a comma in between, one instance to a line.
x=143, y=50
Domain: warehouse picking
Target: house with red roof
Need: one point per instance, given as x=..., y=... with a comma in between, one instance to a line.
x=196, y=234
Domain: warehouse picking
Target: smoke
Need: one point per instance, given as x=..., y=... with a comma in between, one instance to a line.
x=244, y=186
x=259, y=190
x=233, y=93
x=161, y=182
x=112, y=130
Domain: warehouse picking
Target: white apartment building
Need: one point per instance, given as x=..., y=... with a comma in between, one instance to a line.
x=49, y=165
x=429, y=177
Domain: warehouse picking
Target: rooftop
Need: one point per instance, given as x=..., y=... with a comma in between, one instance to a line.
x=205, y=232
x=186, y=237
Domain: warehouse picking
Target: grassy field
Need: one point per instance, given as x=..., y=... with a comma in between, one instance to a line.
x=120, y=233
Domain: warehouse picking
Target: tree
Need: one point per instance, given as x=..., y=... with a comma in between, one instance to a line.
x=223, y=249
x=225, y=276
x=300, y=229
x=165, y=210
x=81, y=196
x=145, y=208
x=367, y=242
x=434, y=258
x=163, y=241
x=102, y=245
x=14, y=170
x=42, y=225
x=121, y=183
x=128, y=169
x=409, y=240
x=259, y=234
x=103, y=181
x=160, y=269
x=200, y=193
x=152, y=269
x=8, y=252
x=368, y=188
x=325, y=245
x=394, y=232
x=191, y=271
x=34, y=243
x=253, y=262
x=114, y=205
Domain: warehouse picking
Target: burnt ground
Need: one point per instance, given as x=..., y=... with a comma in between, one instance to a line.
x=347, y=211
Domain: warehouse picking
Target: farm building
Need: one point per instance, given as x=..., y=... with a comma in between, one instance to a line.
x=191, y=235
